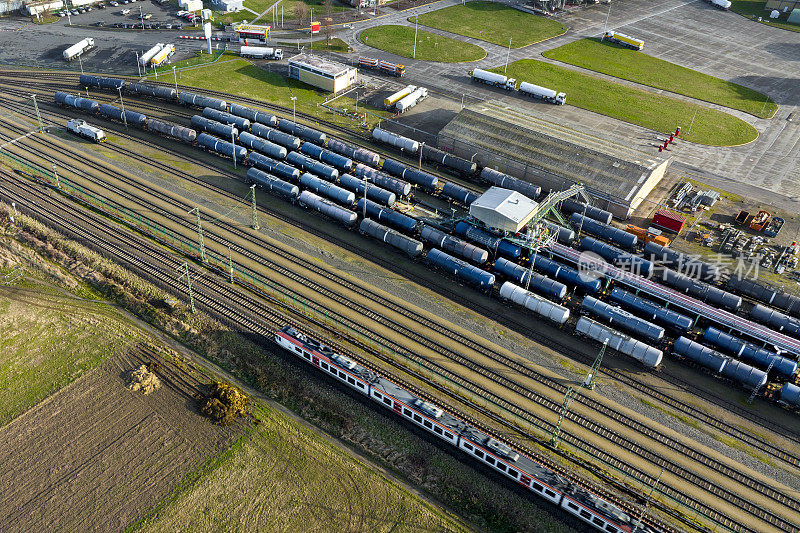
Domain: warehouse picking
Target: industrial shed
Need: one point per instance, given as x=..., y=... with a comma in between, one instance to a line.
x=323, y=73
x=554, y=156
x=503, y=209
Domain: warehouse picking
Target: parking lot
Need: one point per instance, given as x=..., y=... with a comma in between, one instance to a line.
x=129, y=14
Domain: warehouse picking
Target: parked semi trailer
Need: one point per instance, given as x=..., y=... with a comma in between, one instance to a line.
x=163, y=55
x=144, y=59
x=494, y=79
x=78, y=48
x=720, y=4
x=407, y=102
x=542, y=93
x=624, y=40
x=391, y=100
x=261, y=52
x=391, y=69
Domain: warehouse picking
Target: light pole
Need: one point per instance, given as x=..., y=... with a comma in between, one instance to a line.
x=508, y=54
x=175, y=77
x=294, y=109
x=416, y=27
x=124, y=119
x=38, y=116
x=605, y=26
x=141, y=16
x=69, y=18
x=233, y=142
x=420, y=155
x=138, y=66
x=80, y=62
x=366, y=186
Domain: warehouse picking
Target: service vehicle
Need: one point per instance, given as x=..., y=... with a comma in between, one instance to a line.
x=80, y=127
x=622, y=39
x=147, y=16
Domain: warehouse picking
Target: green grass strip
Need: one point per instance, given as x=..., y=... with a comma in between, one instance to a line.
x=493, y=23
x=430, y=46
x=635, y=66
x=699, y=124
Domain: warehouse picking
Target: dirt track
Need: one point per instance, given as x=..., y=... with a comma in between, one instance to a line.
x=96, y=456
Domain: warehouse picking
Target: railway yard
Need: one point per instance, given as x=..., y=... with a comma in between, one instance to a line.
x=520, y=325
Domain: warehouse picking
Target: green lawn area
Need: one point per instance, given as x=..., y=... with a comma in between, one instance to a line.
x=335, y=45
x=283, y=477
x=755, y=8
x=493, y=23
x=288, y=7
x=641, y=68
x=200, y=59
x=239, y=76
x=430, y=46
x=644, y=108
x=48, y=340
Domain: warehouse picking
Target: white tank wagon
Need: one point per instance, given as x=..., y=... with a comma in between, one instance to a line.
x=494, y=79
x=78, y=48
x=412, y=247
x=644, y=353
x=327, y=208
x=398, y=141
x=537, y=304
x=145, y=58
x=407, y=102
x=399, y=95
x=542, y=93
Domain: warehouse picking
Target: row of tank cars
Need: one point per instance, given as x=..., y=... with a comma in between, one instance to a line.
x=330, y=176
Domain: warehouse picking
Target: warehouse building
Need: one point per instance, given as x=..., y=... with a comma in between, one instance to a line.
x=323, y=73
x=503, y=209
x=554, y=156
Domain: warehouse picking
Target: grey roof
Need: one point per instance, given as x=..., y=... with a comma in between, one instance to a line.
x=503, y=209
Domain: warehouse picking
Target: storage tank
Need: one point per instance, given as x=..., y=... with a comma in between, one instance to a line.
x=398, y=141
x=776, y=320
x=411, y=247
x=567, y=274
x=459, y=194
x=145, y=58
x=493, y=243
x=407, y=102
x=454, y=245
x=470, y=274
x=545, y=286
x=273, y=184
x=374, y=193
x=563, y=235
x=242, y=124
x=353, y=152
x=584, y=224
x=262, y=145
x=652, y=311
x=509, y=182
x=790, y=393
x=327, y=189
x=221, y=147
x=397, y=186
x=751, y=378
x=542, y=307
x=187, y=98
x=750, y=352
x=212, y=126
x=620, y=318
x=254, y=116
x=304, y=132
x=284, y=139
x=570, y=206
x=173, y=130
x=327, y=208
x=389, y=216
x=341, y=162
x=309, y=165
x=702, y=355
x=644, y=353
x=282, y=170
x=620, y=258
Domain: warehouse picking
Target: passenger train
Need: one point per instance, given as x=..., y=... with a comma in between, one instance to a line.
x=540, y=480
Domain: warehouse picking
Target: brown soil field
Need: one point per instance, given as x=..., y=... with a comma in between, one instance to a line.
x=97, y=456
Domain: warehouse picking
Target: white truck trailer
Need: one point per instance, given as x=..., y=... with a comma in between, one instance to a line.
x=494, y=79
x=78, y=48
x=542, y=93
x=83, y=129
x=399, y=95
x=261, y=52
x=163, y=55
x=725, y=5
x=409, y=101
x=145, y=58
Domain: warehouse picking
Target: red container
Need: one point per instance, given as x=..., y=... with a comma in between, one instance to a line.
x=669, y=220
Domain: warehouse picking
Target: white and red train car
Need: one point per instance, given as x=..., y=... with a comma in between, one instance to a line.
x=531, y=474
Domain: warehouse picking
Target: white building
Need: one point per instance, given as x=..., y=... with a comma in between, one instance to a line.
x=190, y=5
x=227, y=6
x=503, y=209
x=36, y=7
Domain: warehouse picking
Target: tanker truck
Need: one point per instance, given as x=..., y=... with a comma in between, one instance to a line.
x=542, y=93
x=494, y=79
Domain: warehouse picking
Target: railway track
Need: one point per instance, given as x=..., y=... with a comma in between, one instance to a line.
x=467, y=363
x=159, y=265
x=678, y=405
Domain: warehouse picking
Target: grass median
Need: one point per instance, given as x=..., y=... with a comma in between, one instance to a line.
x=699, y=124
x=430, y=46
x=493, y=23
x=607, y=58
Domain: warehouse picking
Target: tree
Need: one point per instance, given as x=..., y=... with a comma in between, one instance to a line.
x=328, y=30
x=300, y=11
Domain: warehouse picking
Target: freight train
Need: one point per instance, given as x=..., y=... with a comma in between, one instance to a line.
x=485, y=449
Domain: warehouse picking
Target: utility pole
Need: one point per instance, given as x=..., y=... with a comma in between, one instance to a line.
x=294, y=109
x=647, y=501
x=605, y=26
x=230, y=263
x=185, y=266
x=508, y=54
x=200, y=242
x=589, y=383
x=175, y=77
x=80, y=62
x=366, y=186
x=55, y=175
x=124, y=118
x=416, y=27
x=564, y=408
x=420, y=155
x=38, y=116
x=138, y=66
x=255, y=212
